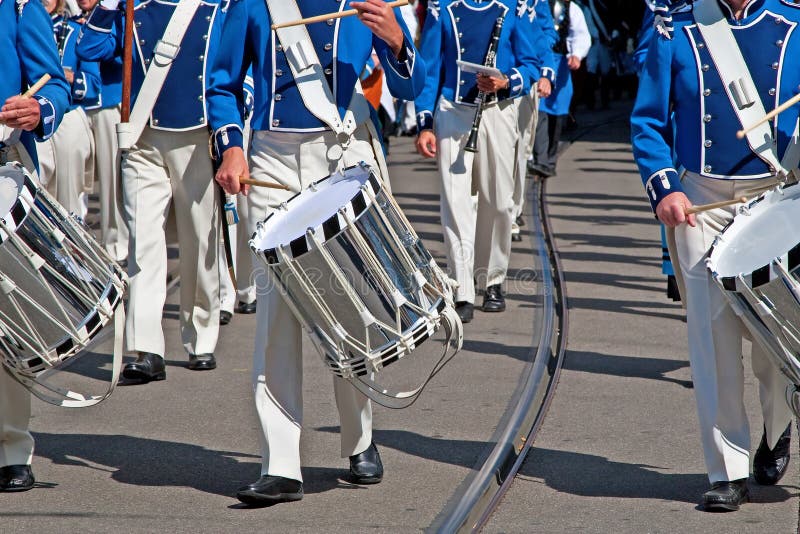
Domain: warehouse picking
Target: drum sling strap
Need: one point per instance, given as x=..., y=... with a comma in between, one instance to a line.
x=165, y=52
x=740, y=88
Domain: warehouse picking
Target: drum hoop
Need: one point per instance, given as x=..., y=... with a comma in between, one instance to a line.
x=22, y=205
x=331, y=227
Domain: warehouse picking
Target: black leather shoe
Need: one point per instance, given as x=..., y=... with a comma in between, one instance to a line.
x=493, y=299
x=726, y=496
x=769, y=466
x=16, y=478
x=202, y=362
x=520, y=221
x=224, y=317
x=270, y=490
x=464, y=310
x=366, y=467
x=146, y=368
x=246, y=307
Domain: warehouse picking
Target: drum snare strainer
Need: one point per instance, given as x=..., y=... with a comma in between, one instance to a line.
x=755, y=262
x=358, y=278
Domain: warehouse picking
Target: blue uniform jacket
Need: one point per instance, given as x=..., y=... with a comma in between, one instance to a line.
x=180, y=105
x=342, y=45
x=543, y=18
x=86, y=84
x=461, y=30
x=26, y=37
x=679, y=75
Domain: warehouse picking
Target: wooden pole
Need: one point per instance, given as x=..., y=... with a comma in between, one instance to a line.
x=127, y=62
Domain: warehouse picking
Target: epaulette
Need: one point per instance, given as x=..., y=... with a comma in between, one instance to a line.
x=433, y=8
x=681, y=7
x=790, y=4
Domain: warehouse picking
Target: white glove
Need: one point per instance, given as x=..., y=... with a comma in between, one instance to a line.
x=111, y=5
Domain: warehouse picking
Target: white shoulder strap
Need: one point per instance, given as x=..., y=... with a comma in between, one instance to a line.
x=739, y=84
x=309, y=77
x=165, y=52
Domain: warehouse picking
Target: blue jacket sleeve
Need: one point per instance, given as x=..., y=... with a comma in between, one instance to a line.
x=225, y=93
x=645, y=36
x=101, y=36
x=38, y=55
x=86, y=85
x=405, y=78
x=651, y=123
x=526, y=40
x=431, y=49
x=544, y=19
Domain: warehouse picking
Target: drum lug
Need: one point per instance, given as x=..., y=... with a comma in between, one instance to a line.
x=793, y=399
x=6, y=285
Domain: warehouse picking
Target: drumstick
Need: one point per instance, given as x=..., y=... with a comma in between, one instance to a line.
x=769, y=116
x=259, y=183
x=337, y=15
x=714, y=205
x=33, y=89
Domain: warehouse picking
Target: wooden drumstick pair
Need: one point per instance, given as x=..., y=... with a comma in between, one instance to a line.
x=259, y=183
x=714, y=205
x=328, y=16
x=33, y=89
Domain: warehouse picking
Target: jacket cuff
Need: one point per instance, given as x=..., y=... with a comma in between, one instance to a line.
x=226, y=137
x=47, y=119
x=515, y=84
x=102, y=20
x=405, y=65
x=79, y=87
x=660, y=184
x=549, y=73
x=424, y=120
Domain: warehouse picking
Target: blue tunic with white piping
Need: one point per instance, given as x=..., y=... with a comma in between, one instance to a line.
x=86, y=84
x=29, y=52
x=679, y=75
x=181, y=104
x=343, y=46
x=461, y=30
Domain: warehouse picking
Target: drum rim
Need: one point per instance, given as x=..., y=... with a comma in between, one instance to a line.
x=331, y=227
x=761, y=275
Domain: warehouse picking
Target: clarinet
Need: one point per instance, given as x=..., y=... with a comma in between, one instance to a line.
x=491, y=54
x=62, y=35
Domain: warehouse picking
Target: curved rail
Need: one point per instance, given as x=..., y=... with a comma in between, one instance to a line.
x=476, y=498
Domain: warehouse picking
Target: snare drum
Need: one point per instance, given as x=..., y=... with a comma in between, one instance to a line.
x=358, y=278
x=755, y=262
x=58, y=289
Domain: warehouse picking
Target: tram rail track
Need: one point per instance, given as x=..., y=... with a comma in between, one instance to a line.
x=481, y=492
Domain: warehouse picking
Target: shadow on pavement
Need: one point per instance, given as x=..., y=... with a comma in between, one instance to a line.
x=626, y=366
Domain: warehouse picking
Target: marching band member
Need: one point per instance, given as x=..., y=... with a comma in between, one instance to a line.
x=294, y=147
x=66, y=160
x=691, y=69
x=539, y=14
x=168, y=165
x=22, y=121
x=461, y=30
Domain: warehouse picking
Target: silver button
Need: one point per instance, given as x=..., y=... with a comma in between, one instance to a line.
x=208, y=18
x=278, y=72
x=155, y=122
x=329, y=22
x=772, y=92
x=200, y=77
x=706, y=92
x=276, y=123
x=279, y=48
x=141, y=41
x=328, y=47
x=205, y=37
x=147, y=61
x=461, y=82
x=201, y=120
x=463, y=50
x=460, y=35
x=701, y=45
x=705, y=67
x=775, y=65
x=779, y=43
x=200, y=98
x=278, y=97
x=707, y=143
x=707, y=169
x=328, y=71
x=138, y=23
x=458, y=19
x=202, y=57
x=706, y=118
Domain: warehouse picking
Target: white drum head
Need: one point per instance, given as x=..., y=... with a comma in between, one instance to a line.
x=11, y=179
x=753, y=241
x=315, y=207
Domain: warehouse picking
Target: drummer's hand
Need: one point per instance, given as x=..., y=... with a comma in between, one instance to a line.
x=491, y=84
x=21, y=112
x=379, y=17
x=672, y=210
x=234, y=166
x=426, y=143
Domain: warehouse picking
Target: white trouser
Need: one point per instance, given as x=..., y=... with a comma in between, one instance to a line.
x=113, y=227
x=296, y=160
x=528, y=115
x=481, y=251
x=172, y=167
x=66, y=161
x=16, y=442
x=715, y=342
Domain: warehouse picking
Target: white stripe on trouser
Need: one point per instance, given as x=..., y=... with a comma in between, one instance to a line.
x=113, y=227
x=66, y=161
x=172, y=168
x=715, y=343
x=528, y=115
x=16, y=442
x=295, y=160
x=478, y=245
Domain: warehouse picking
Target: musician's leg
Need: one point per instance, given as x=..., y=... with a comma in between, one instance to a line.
x=495, y=179
x=541, y=143
x=16, y=442
x=772, y=392
x=147, y=193
x=452, y=124
x=72, y=147
x=195, y=200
